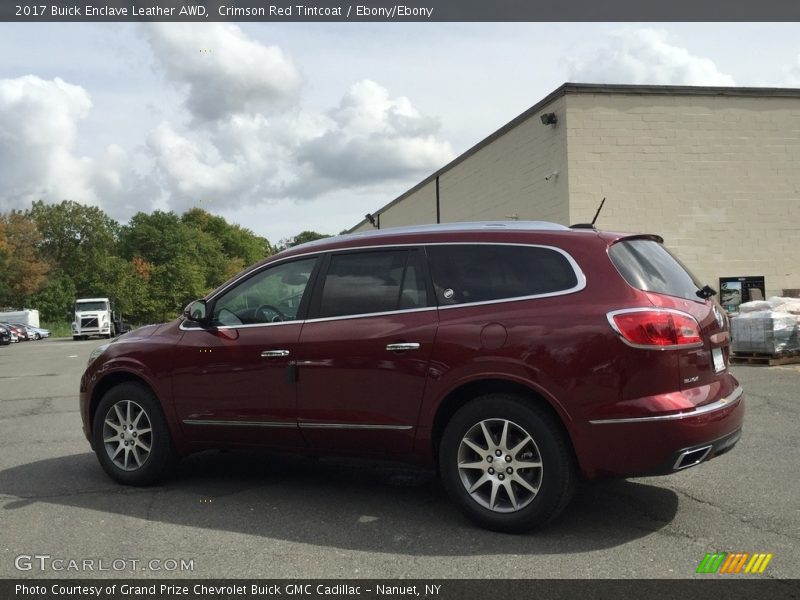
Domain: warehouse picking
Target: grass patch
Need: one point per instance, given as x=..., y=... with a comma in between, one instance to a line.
x=58, y=328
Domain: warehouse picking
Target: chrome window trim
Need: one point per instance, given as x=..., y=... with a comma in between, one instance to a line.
x=720, y=404
x=375, y=314
x=242, y=326
x=295, y=424
x=579, y=275
x=610, y=317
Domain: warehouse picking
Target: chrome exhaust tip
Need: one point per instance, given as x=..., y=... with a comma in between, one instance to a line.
x=690, y=458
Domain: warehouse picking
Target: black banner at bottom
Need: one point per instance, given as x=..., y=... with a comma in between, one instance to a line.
x=731, y=588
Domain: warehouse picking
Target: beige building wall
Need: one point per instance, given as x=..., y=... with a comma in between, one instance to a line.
x=505, y=179
x=717, y=176
x=716, y=172
x=418, y=208
x=502, y=180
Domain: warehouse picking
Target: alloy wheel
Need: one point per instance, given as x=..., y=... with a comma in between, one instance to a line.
x=127, y=435
x=500, y=465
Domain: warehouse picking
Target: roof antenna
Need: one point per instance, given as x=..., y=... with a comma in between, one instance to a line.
x=590, y=225
x=597, y=214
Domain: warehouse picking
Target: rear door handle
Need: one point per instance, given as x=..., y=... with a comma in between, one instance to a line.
x=274, y=353
x=402, y=346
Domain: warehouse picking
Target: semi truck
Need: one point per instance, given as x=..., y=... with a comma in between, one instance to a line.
x=93, y=316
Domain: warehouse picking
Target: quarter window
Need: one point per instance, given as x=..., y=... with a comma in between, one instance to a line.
x=270, y=296
x=484, y=272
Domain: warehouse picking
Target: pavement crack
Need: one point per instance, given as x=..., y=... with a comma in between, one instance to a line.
x=752, y=524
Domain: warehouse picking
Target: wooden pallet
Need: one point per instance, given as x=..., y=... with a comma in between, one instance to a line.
x=767, y=360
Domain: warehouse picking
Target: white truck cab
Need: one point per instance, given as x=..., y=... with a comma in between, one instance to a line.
x=93, y=316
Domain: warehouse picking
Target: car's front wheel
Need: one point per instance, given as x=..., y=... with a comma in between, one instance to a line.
x=131, y=437
x=507, y=463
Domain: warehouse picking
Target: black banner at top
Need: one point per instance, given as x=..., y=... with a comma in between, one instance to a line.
x=398, y=11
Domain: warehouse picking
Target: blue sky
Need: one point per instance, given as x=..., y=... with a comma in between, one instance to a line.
x=293, y=126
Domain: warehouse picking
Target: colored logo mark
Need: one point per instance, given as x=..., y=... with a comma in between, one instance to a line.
x=734, y=562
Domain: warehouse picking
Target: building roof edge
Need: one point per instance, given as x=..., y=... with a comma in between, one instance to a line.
x=590, y=88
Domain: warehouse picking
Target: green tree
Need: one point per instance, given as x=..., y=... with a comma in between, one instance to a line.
x=54, y=301
x=5, y=251
x=300, y=238
x=24, y=272
x=236, y=241
x=75, y=239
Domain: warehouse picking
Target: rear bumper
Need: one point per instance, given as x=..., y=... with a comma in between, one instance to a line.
x=661, y=444
x=695, y=455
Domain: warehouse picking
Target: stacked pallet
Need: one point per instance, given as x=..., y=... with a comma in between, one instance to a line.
x=767, y=332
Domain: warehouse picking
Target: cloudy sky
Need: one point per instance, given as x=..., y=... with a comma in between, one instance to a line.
x=294, y=126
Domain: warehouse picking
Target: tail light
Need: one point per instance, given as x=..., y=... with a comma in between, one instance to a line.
x=657, y=329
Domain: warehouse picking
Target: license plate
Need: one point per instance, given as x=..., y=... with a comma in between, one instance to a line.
x=719, y=359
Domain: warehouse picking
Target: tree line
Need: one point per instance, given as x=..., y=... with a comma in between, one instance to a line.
x=151, y=267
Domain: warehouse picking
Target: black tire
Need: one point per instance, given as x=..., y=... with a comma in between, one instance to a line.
x=161, y=459
x=548, y=487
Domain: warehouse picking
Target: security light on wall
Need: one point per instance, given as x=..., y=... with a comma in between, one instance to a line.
x=549, y=118
x=371, y=218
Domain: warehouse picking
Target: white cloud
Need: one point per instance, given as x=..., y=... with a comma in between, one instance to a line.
x=38, y=133
x=791, y=74
x=372, y=136
x=39, y=128
x=225, y=72
x=644, y=56
x=247, y=143
x=255, y=143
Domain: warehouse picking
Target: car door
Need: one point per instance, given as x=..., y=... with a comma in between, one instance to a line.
x=234, y=381
x=363, y=357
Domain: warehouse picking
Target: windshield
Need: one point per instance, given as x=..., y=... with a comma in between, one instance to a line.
x=86, y=306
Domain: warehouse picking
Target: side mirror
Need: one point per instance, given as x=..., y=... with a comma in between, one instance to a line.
x=196, y=312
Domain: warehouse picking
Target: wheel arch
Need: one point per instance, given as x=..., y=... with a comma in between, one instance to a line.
x=112, y=380
x=462, y=394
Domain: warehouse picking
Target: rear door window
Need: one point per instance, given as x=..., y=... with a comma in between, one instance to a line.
x=485, y=272
x=373, y=282
x=649, y=266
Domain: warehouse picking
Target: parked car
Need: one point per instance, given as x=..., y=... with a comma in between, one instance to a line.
x=20, y=332
x=34, y=333
x=5, y=336
x=512, y=357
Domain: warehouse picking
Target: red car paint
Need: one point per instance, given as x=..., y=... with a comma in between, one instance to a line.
x=627, y=410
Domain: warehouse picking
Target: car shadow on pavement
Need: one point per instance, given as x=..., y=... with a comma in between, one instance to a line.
x=356, y=505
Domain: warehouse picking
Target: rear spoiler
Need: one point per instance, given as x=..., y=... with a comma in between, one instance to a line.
x=642, y=236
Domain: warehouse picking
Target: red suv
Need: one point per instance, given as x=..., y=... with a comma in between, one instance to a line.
x=511, y=356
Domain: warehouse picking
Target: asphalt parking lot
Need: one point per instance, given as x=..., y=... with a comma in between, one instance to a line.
x=240, y=514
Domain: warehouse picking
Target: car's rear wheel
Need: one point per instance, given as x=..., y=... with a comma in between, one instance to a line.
x=507, y=463
x=131, y=437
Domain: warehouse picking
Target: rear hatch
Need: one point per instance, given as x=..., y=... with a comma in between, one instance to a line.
x=648, y=266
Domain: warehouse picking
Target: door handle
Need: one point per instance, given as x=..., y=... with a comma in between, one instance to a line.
x=274, y=353
x=402, y=346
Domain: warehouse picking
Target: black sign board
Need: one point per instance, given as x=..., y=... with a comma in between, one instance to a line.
x=735, y=290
